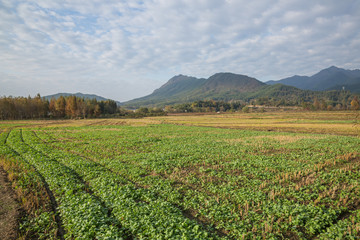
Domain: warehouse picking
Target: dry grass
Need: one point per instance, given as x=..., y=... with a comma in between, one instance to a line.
x=338, y=123
x=331, y=122
x=282, y=139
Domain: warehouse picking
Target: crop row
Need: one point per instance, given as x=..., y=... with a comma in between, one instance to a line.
x=37, y=222
x=82, y=215
x=307, y=188
x=253, y=187
x=140, y=211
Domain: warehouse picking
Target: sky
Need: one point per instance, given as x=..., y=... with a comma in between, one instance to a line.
x=126, y=49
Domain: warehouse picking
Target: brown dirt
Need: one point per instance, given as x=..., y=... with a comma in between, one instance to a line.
x=9, y=209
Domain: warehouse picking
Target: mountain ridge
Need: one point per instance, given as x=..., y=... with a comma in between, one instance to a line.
x=181, y=88
x=227, y=86
x=80, y=95
x=326, y=79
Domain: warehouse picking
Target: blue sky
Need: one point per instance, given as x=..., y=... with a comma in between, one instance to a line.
x=126, y=49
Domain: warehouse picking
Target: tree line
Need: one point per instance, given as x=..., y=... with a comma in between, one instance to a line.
x=73, y=107
x=348, y=103
x=316, y=103
x=206, y=106
x=70, y=107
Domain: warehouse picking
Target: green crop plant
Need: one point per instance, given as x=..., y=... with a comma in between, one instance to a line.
x=180, y=182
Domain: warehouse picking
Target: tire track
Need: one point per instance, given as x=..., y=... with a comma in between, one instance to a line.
x=72, y=194
x=190, y=214
x=100, y=167
x=54, y=204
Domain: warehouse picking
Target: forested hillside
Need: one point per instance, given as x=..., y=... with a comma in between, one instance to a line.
x=332, y=78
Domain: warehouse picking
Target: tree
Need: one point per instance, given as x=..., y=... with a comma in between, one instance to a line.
x=169, y=108
x=355, y=104
x=81, y=108
x=110, y=107
x=52, y=107
x=41, y=106
x=60, y=107
x=245, y=109
x=323, y=105
x=142, y=110
x=97, y=110
x=71, y=107
x=316, y=104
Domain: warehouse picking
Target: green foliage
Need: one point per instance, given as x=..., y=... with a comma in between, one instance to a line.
x=177, y=182
x=83, y=215
x=245, y=109
x=39, y=226
x=205, y=106
x=140, y=211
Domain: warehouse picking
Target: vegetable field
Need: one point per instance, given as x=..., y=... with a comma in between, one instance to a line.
x=165, y=181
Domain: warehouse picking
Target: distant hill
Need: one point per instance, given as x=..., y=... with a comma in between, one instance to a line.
x=332, y=78
x=80, y=95
x=180, y=89
x=325, y=85
x=176, y=88
x=230, y=83
x=178, y=85
x=293, y=95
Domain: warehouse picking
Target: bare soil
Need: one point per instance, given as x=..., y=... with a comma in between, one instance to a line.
x=9, y=209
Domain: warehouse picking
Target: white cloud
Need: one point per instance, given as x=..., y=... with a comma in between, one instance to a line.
x=126, y=49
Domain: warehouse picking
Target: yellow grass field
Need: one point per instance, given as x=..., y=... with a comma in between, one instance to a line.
x=330, y=122
x=339, y=123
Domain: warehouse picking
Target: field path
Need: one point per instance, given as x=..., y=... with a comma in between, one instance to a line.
x=9, y=209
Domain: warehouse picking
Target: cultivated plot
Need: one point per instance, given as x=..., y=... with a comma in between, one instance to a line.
x=117, y=179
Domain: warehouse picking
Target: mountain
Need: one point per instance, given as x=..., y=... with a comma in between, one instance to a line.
x=80, y=95
x=325, y=85
x=296, y=81
x=178, y=85
x=332, y=78
x=180, y=89
x=225, y=82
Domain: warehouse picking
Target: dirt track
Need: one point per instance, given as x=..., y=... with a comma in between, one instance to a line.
x=9, y=209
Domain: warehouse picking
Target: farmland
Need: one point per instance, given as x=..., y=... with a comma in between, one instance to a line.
x=235, y=176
